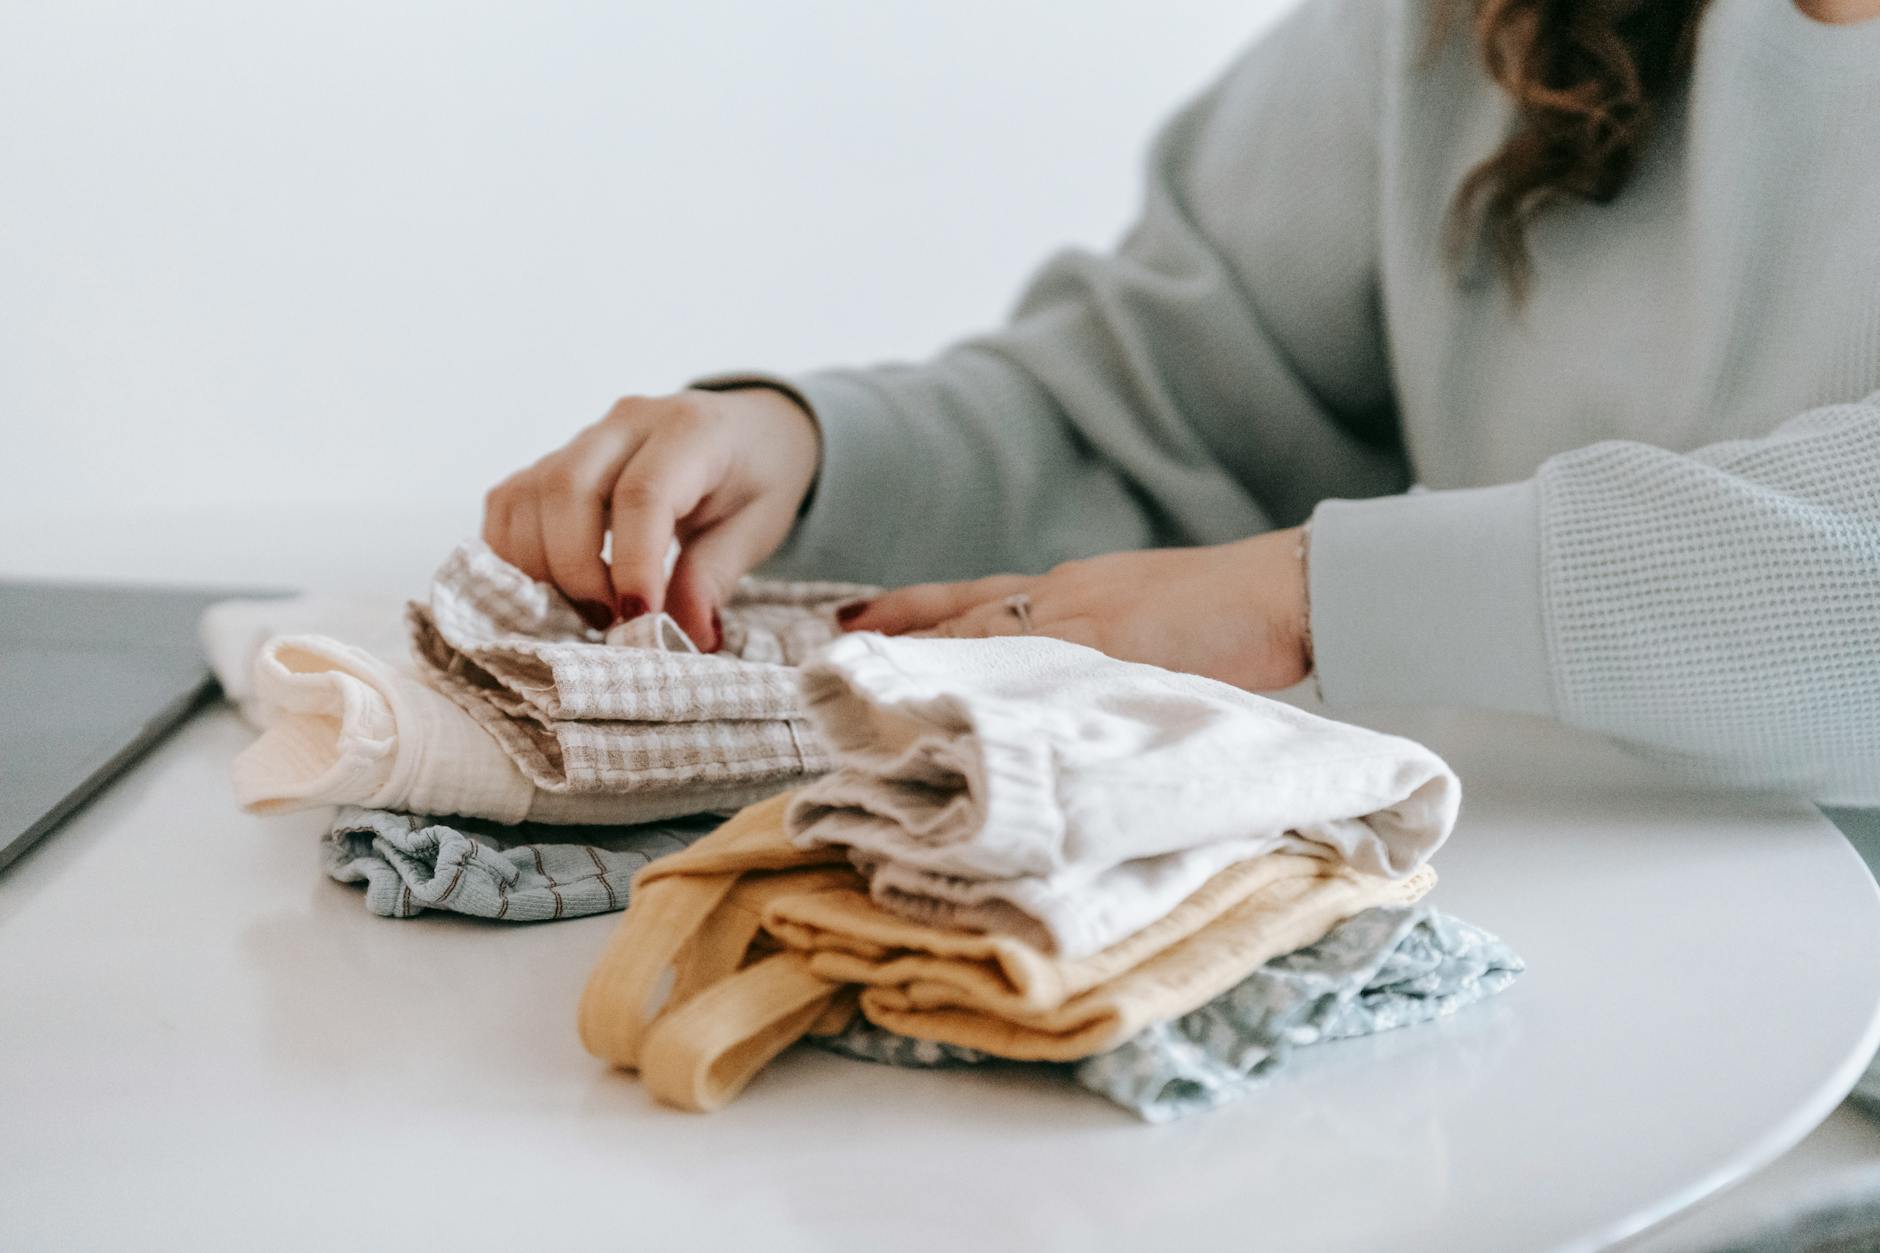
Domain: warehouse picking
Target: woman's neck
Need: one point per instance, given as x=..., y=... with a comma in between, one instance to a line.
x=1840, y=12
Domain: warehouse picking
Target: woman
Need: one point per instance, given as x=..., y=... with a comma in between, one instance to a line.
x=1604, y=277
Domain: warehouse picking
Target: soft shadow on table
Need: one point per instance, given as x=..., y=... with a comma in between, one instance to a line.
x=1543, y=763
x=1275, y=1142
x=401, y=1000
x=469, y=1002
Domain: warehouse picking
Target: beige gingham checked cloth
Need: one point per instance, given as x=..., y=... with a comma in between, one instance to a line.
x=641, y=711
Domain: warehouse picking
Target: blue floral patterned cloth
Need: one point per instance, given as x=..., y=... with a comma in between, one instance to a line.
x=1388, y=967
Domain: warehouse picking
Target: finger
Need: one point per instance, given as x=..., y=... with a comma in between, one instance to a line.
x=1074, y=631
x=925, y=605
x=573, y=526
x=662, y=483
x=496, y=509
x=522, y=541
x=1082, y=630
x=710, y=564
x=534, y=519
x=986, y=620
x=571, y=490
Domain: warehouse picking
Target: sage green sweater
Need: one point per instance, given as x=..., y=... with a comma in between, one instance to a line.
x=1654, y=491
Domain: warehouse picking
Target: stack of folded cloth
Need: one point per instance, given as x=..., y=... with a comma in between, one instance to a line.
x=513, y=709
x=1388, y=967
x=1028, y=850
x=948, y=852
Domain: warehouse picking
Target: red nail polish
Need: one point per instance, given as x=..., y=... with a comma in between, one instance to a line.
x=849, y=613
x=597, y=615
x=631, y=607
x=718, y=633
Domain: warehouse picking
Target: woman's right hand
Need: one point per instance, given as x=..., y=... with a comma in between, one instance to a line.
x=722, y=472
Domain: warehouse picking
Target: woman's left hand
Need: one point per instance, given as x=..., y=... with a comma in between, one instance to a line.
x=1234, y=612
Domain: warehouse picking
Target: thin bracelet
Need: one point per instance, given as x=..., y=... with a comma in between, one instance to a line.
x=1305, y=634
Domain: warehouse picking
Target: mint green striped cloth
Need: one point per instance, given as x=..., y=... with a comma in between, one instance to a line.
x=528, y=873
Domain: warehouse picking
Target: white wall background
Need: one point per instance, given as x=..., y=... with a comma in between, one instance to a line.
x=261, y=256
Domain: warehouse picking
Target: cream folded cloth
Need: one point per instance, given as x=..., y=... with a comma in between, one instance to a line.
x=1041, y=789
x=644, y=712
x=234, y=631
x=344, y=727
x=735, y=948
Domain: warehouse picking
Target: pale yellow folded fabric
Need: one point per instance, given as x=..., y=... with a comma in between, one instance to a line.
x=742, y=944
x=1003, y=996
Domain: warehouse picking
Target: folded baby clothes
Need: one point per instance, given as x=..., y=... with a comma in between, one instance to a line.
x=344, y=727
x=1037, y=788
x=997, y=993
x=758, y=941
x=1388, y=967
x=645, y=714
x=410, y=864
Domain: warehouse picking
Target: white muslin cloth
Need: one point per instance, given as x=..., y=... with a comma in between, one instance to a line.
x=1030, y=786
x=232, y=633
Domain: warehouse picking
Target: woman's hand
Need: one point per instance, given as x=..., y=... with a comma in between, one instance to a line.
x=723, y=472
x=1234, y=612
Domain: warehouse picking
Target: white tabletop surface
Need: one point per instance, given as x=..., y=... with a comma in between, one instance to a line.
x=207, y=1045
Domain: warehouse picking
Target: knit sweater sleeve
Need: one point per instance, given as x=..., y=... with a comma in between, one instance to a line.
x=1720, y=607
x=1217, y=374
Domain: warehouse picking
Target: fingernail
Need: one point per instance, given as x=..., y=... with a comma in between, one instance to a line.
x=718, y=633
x=631, y=607
x=849, y=613
x=597, y=615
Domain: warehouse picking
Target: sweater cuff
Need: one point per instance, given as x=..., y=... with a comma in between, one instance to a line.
x=1431, y=598
x=739, y=380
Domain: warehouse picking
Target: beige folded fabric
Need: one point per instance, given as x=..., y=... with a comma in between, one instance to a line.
x=345, y=727
x=738, y=946
x=644, y=713
x=1037, y=788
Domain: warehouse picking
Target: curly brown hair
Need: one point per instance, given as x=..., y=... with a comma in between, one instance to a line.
x=1588, y=79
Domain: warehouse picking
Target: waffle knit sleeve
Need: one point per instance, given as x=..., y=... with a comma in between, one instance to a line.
x=1720, y=607
x=1215, y=375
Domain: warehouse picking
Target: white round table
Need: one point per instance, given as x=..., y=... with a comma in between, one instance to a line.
x=207, y=1045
